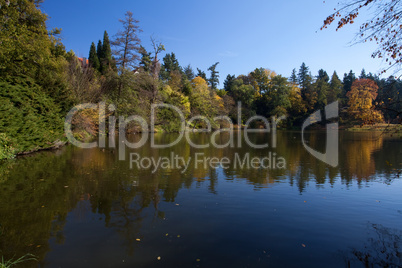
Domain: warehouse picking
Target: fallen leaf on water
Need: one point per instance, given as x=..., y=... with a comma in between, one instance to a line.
x=177, y=204
x=303, y=245
x=138, y=239
x=305, y=201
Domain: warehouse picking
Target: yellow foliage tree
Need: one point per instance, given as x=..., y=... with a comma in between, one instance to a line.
x=361, y=96
x=200, y=86
x=260, y=79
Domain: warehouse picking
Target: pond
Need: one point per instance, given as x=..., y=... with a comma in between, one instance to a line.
x=207, y=207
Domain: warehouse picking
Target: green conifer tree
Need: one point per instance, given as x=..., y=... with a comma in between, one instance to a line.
x=106, y=60
x=335, y=88
x=214, y=78
x=93, y=57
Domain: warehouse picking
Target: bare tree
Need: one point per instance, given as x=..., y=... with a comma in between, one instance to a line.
x=158, y=48
x=127, y=43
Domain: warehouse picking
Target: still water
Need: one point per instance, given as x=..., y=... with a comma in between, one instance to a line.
x=85, y=208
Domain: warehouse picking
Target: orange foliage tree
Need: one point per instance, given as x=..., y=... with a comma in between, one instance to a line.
x=361, y=97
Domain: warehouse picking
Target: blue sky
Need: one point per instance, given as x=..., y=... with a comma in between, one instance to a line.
x=242, y=36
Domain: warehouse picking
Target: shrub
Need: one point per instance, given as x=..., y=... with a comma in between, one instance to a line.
x=29, y=116
x=7, y=150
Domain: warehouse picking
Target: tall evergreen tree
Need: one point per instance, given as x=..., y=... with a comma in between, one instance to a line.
x=293, y=77
x=303, y=77
x=170, y=64
x=228, y=84
x=305, y=80
x=188, y=71
x=146, y=59
x=214, y=78
x=323, y=75
x=106, y=59
x=201, y=74
x=321, y=87
x=335, y=88
x=363, y=74
x=99, y=50
x=93, y=57
x=348, y=80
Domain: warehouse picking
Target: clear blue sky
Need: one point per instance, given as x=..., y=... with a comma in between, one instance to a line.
x=241, y=35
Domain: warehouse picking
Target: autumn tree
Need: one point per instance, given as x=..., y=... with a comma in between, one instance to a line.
x=200, y=98
x=297, y=108
x=214, y=77
x=361, y=97
x=127, y=43
x=383, y=27
x=260, y=79
x=175, y=80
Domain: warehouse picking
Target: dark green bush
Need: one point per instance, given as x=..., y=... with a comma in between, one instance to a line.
x=28, y=116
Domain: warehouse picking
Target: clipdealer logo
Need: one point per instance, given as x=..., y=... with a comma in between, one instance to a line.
x=270, y=161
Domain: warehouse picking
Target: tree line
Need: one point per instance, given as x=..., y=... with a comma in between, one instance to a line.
x=363, y=99
x=40, y=82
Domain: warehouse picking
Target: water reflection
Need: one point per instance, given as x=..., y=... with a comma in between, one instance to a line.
x=40, y=195
x=383, y=248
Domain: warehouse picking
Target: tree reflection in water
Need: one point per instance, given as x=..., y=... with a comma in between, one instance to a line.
x=382, y=249
x=40, y=194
